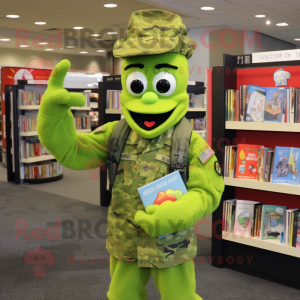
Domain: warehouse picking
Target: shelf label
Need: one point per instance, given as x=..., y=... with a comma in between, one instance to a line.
x=276, y=56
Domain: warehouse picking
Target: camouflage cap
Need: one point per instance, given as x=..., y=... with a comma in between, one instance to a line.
x=154, y=31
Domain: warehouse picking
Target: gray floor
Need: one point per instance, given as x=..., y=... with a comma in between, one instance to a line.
x=83, y=280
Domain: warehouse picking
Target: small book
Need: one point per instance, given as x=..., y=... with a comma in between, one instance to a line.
x=275, y=101
x=246, y=161
x=272, y=221
x=163, y=191
x=255, y=103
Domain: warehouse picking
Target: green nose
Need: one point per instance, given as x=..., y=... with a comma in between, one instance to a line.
x=149, y=98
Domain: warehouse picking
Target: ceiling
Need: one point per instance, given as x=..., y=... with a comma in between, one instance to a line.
x=93, y=16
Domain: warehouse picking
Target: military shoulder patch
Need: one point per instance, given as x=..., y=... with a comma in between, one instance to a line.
x=98, y=129
x=218, y=168
x=206, y=154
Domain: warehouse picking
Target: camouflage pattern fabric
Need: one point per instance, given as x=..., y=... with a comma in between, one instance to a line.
x=142, y=162
x=154, y=31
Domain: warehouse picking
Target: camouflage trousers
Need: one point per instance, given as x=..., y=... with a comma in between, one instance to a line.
x=128, y=281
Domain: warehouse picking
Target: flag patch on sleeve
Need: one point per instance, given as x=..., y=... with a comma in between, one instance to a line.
x=206, y=154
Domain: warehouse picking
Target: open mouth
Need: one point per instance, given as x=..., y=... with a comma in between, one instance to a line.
x=150, y=121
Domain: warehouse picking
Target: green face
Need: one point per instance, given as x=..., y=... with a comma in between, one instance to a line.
x=154, y=96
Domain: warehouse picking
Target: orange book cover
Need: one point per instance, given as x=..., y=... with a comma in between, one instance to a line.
x=246, y=162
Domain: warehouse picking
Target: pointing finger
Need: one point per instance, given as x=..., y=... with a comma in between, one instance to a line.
x=58, y=74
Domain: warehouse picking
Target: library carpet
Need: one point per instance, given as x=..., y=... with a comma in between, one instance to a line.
x=75, y=265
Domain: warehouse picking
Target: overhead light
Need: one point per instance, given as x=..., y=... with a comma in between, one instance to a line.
x=24, y=46
x=95, y=34
x=49, y=49
x=282, y=24
x=260, y=16
x=110, y=5
x=12, y=16
x=44, y=43
x=70, y=47
x=100, y=50
x=83, y=52
x=78, y=27
x=4, y=40
x=268, y=22
x=296, y=39
x=112, y=32
x=40, y=23
x=207, y=8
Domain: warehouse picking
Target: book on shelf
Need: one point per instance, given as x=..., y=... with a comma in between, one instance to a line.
x=113, y=99
x=39, y=171
x=29, y=97
x=27, y=123
x=273, y=217
x=198, y=123
x=32, y=148
x=253, y=103
x=245, y=216
x=163, y=191
x=246, y=161
x=196, y=101
x=82, y=120
x=286, y=165
x=94, y=117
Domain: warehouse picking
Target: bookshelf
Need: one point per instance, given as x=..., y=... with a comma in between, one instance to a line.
x=22, y=137
x=109, y=115
x=270, y=259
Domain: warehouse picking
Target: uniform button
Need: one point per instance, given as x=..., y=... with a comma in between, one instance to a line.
x=145, y=167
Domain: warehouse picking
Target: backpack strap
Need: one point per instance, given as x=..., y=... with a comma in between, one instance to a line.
x=180, y=148
x=116, y=144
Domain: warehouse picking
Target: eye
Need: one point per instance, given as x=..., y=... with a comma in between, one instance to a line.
x=164, y=84
x=136, y=83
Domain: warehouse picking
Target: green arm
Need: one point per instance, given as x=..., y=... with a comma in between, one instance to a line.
x=205, y=187
x=56, y=129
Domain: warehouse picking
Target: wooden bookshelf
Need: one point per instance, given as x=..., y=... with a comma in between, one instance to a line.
x=283, y=188
x=200, y=131
x=263, y=126
x=113, y=111
x=270, y=245
x=196, y=109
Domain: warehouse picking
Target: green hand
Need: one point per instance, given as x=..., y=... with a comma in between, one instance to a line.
x=56, y=100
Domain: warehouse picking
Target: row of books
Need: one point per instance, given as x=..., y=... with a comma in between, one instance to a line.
x=29, y=98
x=253, y=103
x=266, y=222
x=113, y=99
x=198, y=124
x=82, y=122
x=28, y=123
x=46, y=170
x=32, y=148
x=279, y=165
x=197, y=101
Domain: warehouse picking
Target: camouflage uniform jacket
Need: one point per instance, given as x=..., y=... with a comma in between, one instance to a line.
x=143, y=161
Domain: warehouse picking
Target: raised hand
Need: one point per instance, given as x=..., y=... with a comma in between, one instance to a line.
x=56, y=100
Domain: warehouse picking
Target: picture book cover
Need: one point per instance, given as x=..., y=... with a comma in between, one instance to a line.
x=192, y=100
x=163, y=191
x=244, y=212
x=246, y=161
x=272, y=221
x=256, y=100
x=286, y=165
x=275, y=99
